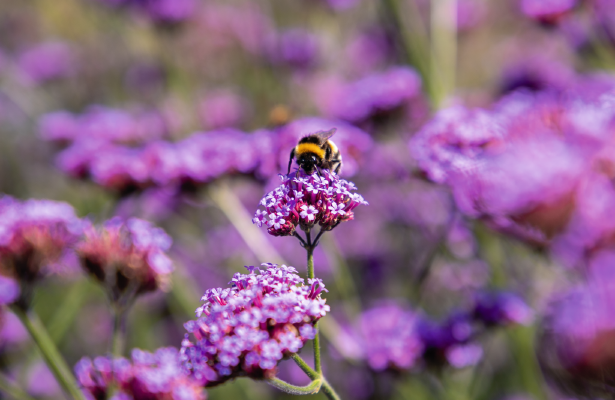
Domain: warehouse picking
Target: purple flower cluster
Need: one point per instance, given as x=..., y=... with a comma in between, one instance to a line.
x=391, y=339
x=45, y=62
x=526, y=165
x=147, y=376
x=307, y=200
x=547, y=11
x=399, y=338
x=124, y=151
x=376, y=93
x=34, y=235
x=248, y=328
x=161, y=11
x=296, y=48
x=128, y=255
x=102, y=125
x=575, y=344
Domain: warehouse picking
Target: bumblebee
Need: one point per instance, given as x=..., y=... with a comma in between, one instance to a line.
x=316, y=151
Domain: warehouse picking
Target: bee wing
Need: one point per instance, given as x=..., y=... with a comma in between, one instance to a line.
x=323, y=136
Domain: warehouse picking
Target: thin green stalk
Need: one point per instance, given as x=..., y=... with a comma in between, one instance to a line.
x=12, y=390
x=313, y=375
x=329, y=391
x=231, y=206
x=310, y=259
x=286, y=387
x=50, y=353
x=443, y=55
x=118, y=341
x=317, y=365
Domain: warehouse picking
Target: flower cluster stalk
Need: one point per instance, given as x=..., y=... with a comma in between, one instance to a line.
x=50, y=353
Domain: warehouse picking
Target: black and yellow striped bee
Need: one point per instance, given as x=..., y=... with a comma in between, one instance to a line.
x=316, y=151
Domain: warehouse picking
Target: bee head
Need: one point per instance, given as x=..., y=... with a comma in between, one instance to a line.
x=307, y=162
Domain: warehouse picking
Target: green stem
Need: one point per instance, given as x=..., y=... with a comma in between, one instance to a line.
x=329, y=391
x=12, y=390
x=310, y=260
x=313, y=375
x=118, y=342
x=286, y=387
x=52, y=356
x=443, y=49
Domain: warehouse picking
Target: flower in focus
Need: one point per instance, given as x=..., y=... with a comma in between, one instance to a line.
x=390, y=337
x=308, y=200
x=248, y=328
x=147, y=376
x=34, y=236
x=126, y=256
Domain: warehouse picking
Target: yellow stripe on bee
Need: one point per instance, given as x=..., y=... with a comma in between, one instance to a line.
x=309, y=148
x=334, y=148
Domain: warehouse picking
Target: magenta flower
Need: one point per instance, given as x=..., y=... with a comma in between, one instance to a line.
x=308, y=200
x=493, y=160
x=249, y=327
x=574, y=347
x=147, y=376
x=390, y=338
x=547, y=11
x=131, y=252
x=34, y=236
x=46, y=61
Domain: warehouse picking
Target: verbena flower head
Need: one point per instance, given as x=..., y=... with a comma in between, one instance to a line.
x=147, y=376
x=35, y=234
x=547, y=11
x=390, y=338
x=247, y=328
x=501, y=308
x=308, y=200
x=126, y=255
x=575, y=345
x=493, y=160
x=45, y=62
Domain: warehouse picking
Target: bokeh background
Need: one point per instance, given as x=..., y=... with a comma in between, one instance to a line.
x=102, y=100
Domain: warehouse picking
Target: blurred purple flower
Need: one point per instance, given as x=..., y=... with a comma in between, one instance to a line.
x=133, y=252
x=41, y=381
x=147, y=376
x=295, y=47
x=376, y=93
x=368, y=50
x=33, y=235
x=12, y=331
x=449, y=341
x=494, y=159
x=575, y=346
x=308, y=200
x=248, y=328
x=9, y=290
x=46, y=61
x=223, y=108
x=104, y=124
x=547, y=11
x=536, y=73
x=501, y=308
x=390, y=338
x=470, y=13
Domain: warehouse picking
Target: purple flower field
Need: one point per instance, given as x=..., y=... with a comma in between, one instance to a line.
x=174, y=225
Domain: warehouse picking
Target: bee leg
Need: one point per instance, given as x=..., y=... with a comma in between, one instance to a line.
x=339, y=165
x=318, y=170
x=290, y=161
